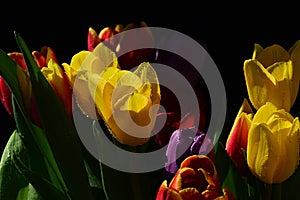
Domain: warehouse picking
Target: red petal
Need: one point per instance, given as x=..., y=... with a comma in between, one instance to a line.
x=166, y=193
x=6, y=96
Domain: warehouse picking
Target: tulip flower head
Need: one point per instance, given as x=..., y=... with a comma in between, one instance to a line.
x=46, y=60
x=273, y=75
x=127, y=101
x=184, y=143
x=273, y=144
x=237, y=140
x=197, y=178
x=118, y=44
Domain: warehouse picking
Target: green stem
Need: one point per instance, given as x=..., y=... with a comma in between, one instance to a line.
x=276, y=191
x=266, y=192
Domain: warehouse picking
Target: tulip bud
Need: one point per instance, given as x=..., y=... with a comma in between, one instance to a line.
x=60, y=84
x=5, y=92
x=184, y=143
x=236, y=144
x=127, y=60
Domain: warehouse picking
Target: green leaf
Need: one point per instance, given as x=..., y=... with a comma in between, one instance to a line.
x=44, y=188
x=8, y=71
x=11, y=181
x=59, y=129
x=124, y=185
x=40, y=155
x=29, y=192
x=228, y=173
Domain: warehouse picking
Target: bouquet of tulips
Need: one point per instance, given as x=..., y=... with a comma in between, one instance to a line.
x=107, y=125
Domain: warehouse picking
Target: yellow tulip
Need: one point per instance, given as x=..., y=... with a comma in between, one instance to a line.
x=126, y=101
x=273, y=75
x=273, y=144
x=82, y=64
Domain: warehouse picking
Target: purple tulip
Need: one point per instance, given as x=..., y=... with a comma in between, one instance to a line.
x=184, y=143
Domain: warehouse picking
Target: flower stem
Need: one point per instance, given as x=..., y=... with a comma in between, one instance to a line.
x=271, y=192
x=266, y=192
x=276, y=191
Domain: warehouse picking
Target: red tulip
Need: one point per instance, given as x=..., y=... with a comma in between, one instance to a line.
x=196, y=179
x=47, y=62
x=236, y=144
x=127, y=60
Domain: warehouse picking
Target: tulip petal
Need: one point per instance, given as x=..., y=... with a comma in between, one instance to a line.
x=93, y=40
x=19, y=59
x=75, y=65
x=238, y=135
x=25, y=87
x=272, y=54
x=200, y=161
x=288, y=148
x=107, y=58
x=177, y=181
x=282, y=70
x=166, y=193
x=263, y=114
x=295, y=52
x=283, y=73
x=257, y=50
x=262, y=152
x=290, y=160
x=237, y=141
x=148, y=75
x=6, y=96
x=260, y=84
x=190, y=194
x=39, y=59
x=58, y=80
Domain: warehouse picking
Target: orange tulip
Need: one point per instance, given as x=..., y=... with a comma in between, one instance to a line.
x=197, y=179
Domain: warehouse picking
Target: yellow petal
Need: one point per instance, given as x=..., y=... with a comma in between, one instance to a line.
x=273, y=54
x=262, y=152
x=261, y=85
x=58, y=80
x=295, y=57
x=257, y=49
x=288, y=149
x=282, y=70
x=96, y=86
x=148, y=74
x=106, y=58
x=78, y=58
x=190, y=193
x=263, y=114
x=281, y=113
x=283, y=73
x=138, y=105
x=75, y=65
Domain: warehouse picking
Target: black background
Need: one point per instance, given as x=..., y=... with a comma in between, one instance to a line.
x=228, y=31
